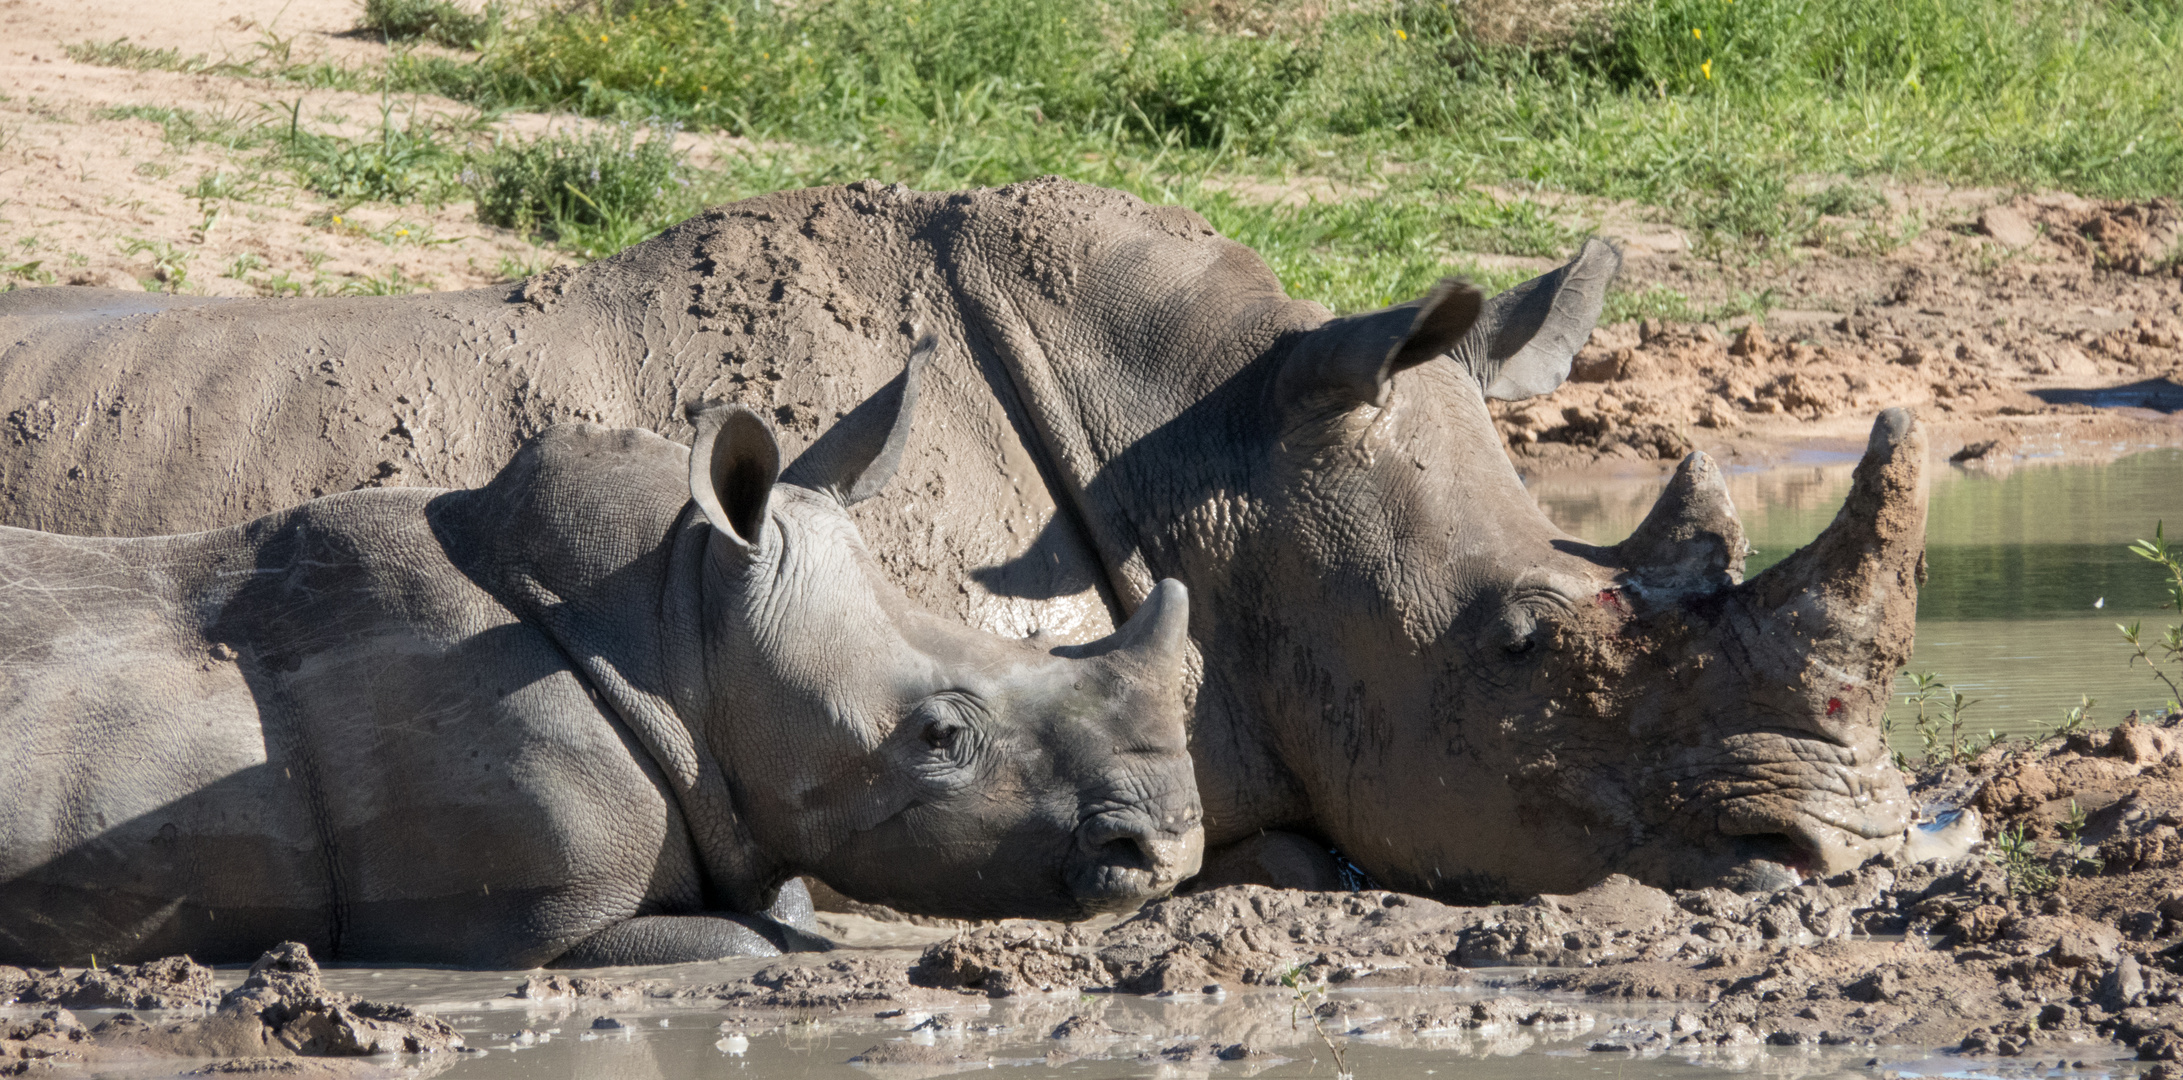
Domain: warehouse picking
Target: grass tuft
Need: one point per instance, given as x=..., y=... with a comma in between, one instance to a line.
x=594, y=193
x=436, y=21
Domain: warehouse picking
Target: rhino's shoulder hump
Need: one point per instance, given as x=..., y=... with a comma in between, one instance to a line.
x=581, y=455
x=575, y=504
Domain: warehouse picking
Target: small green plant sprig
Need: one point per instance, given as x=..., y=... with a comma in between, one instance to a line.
x=436, y=21
x=1302, y=992
x=2016, y=852
x=2072, y=721
x=2170, y=644
x=1939, y=722
x=410, y=162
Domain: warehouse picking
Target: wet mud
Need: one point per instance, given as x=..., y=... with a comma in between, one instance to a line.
x=2073, y=948
x=281, y=1020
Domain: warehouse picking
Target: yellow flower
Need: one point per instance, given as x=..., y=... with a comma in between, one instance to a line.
x=1400, y=35
x=1707, y=67
x=663, y=69
x=401, y=232
x=337, y=219
x=1697, y=33
x=602, y=39
x=701, y=88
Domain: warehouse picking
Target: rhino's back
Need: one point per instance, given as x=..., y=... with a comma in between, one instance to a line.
x=310, y=727
x=132, y=415
x=131, y=750
x=128, y=415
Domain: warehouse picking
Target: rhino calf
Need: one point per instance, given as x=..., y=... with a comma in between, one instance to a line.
x=596, y=711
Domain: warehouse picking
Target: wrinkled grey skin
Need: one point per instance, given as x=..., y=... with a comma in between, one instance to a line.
x=1395, y=652
x=596, y=711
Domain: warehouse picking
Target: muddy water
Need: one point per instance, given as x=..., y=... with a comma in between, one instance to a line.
x=1123, y=1036
x=2029, y=570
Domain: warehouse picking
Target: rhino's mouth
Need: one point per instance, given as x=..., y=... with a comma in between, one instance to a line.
x=1808, y=806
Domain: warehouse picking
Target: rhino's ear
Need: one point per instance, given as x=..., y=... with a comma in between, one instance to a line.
x=734, y=463
x=856, y=457
x=1524, y=341
x=1349, y=361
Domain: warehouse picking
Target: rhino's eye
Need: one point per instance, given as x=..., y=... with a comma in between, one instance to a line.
x=1519, y=631
x=943, y=738
x=940, y=734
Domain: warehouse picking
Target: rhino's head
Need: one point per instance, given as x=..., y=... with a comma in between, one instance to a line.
x=906, y=759
x=1470, y=702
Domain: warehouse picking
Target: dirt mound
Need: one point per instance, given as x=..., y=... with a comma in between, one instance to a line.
x=281, y=1012
x=1998, y=328
x=176, y=982
x=2133, y=237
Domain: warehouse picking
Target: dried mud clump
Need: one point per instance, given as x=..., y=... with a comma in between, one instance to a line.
x=297, y=1015
x=175, y=982
x=2140, y=238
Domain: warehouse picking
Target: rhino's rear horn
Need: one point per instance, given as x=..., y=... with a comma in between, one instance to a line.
x=1691, y=542
x=1859, y=579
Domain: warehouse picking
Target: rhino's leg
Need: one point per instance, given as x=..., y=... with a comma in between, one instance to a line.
x=790, y=925
x=672, y=939
x=793, y=909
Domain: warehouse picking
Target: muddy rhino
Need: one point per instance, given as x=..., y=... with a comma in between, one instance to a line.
x=1394, y=651
x=594, y=712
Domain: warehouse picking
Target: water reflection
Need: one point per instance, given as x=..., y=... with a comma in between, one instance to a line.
x=2017, y=562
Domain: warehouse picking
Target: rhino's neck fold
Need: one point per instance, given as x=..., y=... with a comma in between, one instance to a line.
x=622, y=604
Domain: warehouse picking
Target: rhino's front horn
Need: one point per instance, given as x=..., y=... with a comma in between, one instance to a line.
x=1857, y=584
x=1691, y=542
x=1152, y=643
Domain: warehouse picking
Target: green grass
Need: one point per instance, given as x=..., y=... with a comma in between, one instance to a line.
x=415, y=161
x=1755, y=124
x=436, y=21
x=594, y=193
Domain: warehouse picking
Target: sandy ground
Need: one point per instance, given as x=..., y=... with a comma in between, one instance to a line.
x=89, y=197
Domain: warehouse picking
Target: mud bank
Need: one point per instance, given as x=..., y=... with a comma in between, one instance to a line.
x=281, y=1019
x=2052, y=327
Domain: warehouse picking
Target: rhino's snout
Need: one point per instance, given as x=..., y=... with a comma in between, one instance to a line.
x=1124, y=858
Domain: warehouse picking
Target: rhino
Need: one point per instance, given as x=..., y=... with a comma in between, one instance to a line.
x=1393, y=652
x=595, y=711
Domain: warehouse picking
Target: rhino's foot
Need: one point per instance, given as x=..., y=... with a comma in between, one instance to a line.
x=681, y=939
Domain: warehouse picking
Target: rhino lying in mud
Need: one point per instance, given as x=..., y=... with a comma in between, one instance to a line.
x=595, y=711
x=1395, y=652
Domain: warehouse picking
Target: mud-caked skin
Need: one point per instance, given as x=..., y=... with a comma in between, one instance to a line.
x=596, y=711
x=1395, y=652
